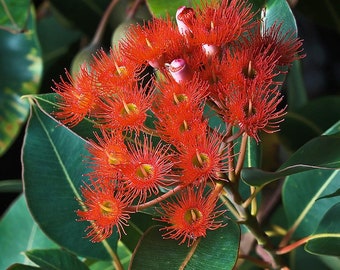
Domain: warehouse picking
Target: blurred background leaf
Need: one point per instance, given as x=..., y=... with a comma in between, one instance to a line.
x=19, y=232
x=20, y=73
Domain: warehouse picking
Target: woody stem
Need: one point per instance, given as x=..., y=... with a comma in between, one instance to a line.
x=135, y=208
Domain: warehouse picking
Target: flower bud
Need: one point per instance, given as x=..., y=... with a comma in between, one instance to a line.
x=210, y=50
x=180, y=71
x=184, y=17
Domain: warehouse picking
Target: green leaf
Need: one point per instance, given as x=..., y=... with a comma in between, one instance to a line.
x=14, y=15
x=309, y=121
x=299, y=195
x=11, y=186
x=53, y=171
x=103, y=265
x=161, y=8
x=19, y=232
x=59, y=44
x=218, y=250
x=21, y=70
x=48, y=104
x=19, y=266
x=326, y=238
x=319, y=153
x=297, y=94
x=278, y=11
x=300, y=259
x=84, y=15
x=334, y=194
x=51, y=259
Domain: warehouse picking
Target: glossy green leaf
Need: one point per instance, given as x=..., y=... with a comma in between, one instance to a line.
x=279, y=12
x=301, y=259
x=19, y=232
x=84, y=15
x=161, y=8
x=53, y=171
x=218, y=250
x=309, y=121
x=19, y=266
x=51, y=259
x=299, y=195
x=58, y=48
x=326, y=238
x=296, y=91
x=14, y=15
x=103, y=265
x=48, y=103
x=20, y=74
x=334, y=194
x=327, y=157
x=11, y=186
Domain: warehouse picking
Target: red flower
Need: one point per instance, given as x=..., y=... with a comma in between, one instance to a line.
x=107, y=155
x=190, y=215
x=148, y=169
x=286, y=46
x=187, y=94
x=78, y=97
x=127, y=110
x=155, y=43
x=105, y=206
x=178, y=128
x=202, y=159
x=254, y=110
x=245, y=66
x=220, y=22
x=112, y=72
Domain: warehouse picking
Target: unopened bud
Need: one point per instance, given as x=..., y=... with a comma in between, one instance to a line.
x=210, y=50
x=180, y=71
x=184, y=19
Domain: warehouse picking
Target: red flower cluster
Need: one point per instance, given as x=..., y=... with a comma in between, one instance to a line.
x=155, y=132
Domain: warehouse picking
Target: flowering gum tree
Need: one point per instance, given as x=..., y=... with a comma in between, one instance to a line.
x=155, y=145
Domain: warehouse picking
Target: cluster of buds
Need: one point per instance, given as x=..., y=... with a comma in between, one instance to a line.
x=156, y=144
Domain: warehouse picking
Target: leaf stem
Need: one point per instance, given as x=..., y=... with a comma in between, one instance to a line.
x=242, y=154
x=101, y=27
x=148, y=204
x=116, y=261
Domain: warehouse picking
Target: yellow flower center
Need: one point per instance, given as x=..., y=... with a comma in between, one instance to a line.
x=129, y=109
x=200, y=160
x=192, y=215
x=108, y=208
x=144, y=171
x=180, y=98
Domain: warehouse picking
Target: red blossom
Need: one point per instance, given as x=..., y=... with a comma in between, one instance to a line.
x=255, y=110
x=188, y=94
x=202, y=158
x=220, y=22
x=177, y=128
x=156, y=43
x=112, y=72
x=286, y=46
x=77, y=97
x=190, y=215
x=127, y=110
x=108, y=154
x=105, y=206
x=148, y=169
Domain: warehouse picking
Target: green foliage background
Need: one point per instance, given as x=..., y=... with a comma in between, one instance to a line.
x=38, y=39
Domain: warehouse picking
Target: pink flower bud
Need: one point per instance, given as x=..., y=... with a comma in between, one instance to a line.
x=184, y=17
x=180, y=71
x=210, y=50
